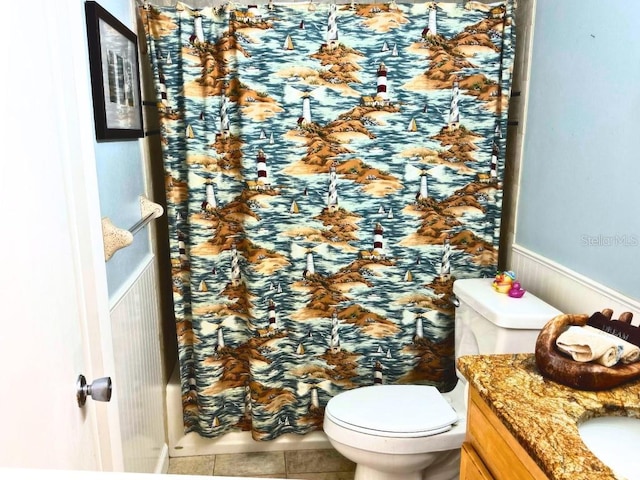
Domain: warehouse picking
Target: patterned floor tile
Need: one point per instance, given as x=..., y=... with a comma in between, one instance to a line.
x=200, y=465
x=250, y=464
x=323, y=476
x=317, y=461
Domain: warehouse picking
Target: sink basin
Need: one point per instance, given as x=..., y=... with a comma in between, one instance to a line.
x=614, y=440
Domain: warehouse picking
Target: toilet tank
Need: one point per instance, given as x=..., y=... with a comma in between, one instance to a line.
x=488, y=322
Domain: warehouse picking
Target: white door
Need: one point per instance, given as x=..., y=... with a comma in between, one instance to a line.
x=53, y=291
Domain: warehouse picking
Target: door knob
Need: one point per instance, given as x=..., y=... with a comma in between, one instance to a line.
x=99, y=390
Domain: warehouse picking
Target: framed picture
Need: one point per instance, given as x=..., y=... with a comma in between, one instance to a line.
x=115, y=82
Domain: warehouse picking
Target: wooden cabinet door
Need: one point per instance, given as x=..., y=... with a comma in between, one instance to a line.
x=472, y=466
x=497, y=448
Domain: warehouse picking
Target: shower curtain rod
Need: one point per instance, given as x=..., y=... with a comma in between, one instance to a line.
x=210, y=3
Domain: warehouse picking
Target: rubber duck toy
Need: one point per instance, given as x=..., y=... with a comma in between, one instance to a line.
x=516, y=291
x=503, y=281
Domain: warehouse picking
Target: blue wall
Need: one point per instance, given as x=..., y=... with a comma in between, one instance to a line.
x=579, y=201
x=121, y=182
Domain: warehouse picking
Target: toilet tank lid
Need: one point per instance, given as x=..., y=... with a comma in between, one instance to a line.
x=527, y=312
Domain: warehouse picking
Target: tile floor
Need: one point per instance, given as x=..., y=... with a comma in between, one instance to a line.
x=301, y=464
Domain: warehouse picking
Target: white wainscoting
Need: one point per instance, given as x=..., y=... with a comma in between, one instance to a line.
x=138, y=381
x=565, y=289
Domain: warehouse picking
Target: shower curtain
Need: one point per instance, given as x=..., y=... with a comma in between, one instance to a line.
x=330, y=171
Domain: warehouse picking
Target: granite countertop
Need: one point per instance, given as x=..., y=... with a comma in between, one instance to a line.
x=543, y=415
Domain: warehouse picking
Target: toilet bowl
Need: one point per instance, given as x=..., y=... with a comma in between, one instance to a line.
x=395, y=432
x=414, y=432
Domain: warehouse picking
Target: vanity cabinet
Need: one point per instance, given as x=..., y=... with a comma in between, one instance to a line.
x=490, y=451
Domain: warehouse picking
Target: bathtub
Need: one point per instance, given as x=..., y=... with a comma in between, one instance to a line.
x=190, y=444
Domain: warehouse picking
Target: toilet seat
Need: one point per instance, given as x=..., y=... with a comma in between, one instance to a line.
x=398, y=411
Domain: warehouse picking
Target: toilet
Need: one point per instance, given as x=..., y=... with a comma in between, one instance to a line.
x=414, y=432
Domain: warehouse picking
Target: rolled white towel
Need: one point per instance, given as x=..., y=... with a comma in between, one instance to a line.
x=630, y=352
x=588, y=344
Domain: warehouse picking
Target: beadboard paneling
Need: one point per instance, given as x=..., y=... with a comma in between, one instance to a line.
x=138, y=379
x=565, y=289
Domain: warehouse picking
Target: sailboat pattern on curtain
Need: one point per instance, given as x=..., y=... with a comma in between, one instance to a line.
x=330, y=171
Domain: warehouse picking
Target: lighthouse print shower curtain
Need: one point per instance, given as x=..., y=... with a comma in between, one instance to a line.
x=330, y=171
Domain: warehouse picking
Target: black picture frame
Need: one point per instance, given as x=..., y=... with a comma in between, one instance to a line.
x=115, y=75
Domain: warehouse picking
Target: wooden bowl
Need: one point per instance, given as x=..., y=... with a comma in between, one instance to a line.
x=582, y=376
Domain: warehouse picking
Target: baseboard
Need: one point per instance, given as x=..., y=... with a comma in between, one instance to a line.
x=565, y=289
x=162, y=466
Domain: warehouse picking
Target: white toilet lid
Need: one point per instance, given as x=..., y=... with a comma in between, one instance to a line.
x=393, y=410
